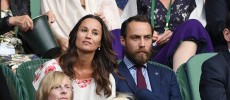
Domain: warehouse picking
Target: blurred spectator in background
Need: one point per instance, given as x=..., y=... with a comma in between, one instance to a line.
x=177, y=38
x=216, y=10
x=215, y=77
x=15, y=16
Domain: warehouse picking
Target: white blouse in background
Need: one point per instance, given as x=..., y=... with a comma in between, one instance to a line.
x=68, y=12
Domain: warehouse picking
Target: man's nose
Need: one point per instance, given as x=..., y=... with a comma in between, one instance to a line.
x=142, y=42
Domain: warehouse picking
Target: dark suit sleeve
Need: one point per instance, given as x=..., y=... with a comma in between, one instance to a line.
x=213, y=79
x=4, y=26
x=174, y=88
x=145, y=94
x=4, y=92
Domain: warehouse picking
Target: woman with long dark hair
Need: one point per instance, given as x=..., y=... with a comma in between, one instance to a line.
x=88, y=60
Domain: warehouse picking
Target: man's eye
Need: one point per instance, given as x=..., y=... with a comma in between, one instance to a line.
x=148, y=37
x=135, y=38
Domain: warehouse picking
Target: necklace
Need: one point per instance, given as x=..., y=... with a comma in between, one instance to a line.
x=153, y=4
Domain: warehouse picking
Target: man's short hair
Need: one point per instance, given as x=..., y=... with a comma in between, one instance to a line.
x=227, y=21
x=136, y=18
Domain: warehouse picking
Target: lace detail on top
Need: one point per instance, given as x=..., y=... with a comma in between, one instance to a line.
x=83, y=83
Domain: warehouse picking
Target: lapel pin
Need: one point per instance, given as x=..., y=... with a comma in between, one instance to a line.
x=156, y=73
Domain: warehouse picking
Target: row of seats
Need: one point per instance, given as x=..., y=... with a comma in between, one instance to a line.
x=20, y=84
x=188, y=76
x=21, y=88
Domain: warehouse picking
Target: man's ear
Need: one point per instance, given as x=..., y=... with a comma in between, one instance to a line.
x=226, y=33
x=122, y=39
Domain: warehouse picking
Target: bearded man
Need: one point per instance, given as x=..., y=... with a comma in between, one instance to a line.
x=139, y=76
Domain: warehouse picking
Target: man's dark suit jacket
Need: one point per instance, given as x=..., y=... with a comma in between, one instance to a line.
x=215, y=78
x=163, y=82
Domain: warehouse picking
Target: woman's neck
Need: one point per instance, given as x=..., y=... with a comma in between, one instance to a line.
x=84, y=66
x=83, y=71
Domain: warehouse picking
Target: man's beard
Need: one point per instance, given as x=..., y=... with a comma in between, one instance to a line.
x=139, y=60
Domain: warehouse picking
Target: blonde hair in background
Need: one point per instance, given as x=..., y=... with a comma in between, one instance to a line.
x=124, y=96
x=51, y=79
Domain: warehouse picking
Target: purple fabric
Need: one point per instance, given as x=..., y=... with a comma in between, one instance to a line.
x=189, y=30
x=117, y=46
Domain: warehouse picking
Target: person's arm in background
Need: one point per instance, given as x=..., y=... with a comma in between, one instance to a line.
x=61, y=38
x=4, y=25
x=111, y=14
x=20, y=19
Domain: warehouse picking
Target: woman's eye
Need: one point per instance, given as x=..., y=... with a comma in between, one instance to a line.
x=67, y=87
x=95, y=33
x=56, y=87
x=84, y=30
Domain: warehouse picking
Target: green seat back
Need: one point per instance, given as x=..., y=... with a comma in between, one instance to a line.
x=183, y=82
x=12, y=83
x=26, y=74
x=160, y=65
x=35, y=8
x=194, y=72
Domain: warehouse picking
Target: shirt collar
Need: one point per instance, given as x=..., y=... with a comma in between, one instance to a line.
x=130, y=64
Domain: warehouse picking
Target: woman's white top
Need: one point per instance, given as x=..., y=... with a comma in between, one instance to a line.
x=83, y=89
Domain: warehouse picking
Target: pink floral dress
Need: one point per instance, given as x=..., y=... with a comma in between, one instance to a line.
x=83, y=89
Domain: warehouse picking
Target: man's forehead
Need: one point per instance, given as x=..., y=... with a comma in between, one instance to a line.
x=139, y=29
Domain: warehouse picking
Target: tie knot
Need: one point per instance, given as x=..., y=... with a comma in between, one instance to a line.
x=139, y=66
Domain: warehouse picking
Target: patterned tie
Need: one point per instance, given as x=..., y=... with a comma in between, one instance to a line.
x=141, y=84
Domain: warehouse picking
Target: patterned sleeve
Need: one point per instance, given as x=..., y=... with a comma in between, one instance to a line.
x=44, y=69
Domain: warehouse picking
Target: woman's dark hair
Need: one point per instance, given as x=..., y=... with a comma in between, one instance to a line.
x=104, y=60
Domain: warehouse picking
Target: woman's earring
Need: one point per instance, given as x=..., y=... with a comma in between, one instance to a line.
x=98, y=48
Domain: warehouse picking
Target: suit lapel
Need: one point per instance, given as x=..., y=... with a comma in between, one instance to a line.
x=154, y=78
x=227, y=56
x=124, y=71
